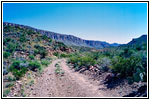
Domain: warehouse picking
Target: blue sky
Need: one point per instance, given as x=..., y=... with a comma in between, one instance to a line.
x=111, y=22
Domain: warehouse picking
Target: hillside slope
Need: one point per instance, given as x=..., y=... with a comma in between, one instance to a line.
x=68, y=39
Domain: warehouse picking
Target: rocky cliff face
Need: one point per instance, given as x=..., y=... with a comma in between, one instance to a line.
x=67, y=39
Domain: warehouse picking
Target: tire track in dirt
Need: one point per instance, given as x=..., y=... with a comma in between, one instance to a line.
x=71, y=84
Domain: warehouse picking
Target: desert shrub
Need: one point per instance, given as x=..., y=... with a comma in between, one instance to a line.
x=58, y=69
x=11, y=47
x=37, y=46
x=41, y=50
x=49, y=40
x=23, y=38
x=17, y=69
x=87, y=61
x=16, y=65
x=45, y=62
x=35, y=51
x=6, y=40
x=127, y=52
x=59, y=45
x=104, y=63
x=64, y=55
x=129, y=67
x=6, y=92
x=18, y=73
x=44, y=37
x=56, y=54
x=6, y=54
x=30, y=32
x=83, y=61
x=34, y=65
x=73, y=60
x=43, y=53
x=9, y=29
x=31, y=57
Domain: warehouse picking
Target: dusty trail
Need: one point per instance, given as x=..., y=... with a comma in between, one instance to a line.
x=72, y=84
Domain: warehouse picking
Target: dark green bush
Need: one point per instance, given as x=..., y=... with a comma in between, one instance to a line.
x=6, y=54
x=43, y=53
x=30, y=32
x=31, y=57
x=23, y=38
x=19, y=73
x=34, y=65
x=11, y=47
x=17, y=70
x=44, y=37
x=64, y=55
x=45, y=62
x=16, y=65
x=6, y=92
x=35, y=51
x=6, y=40
x=127, y=67
x=41, y=50
x=56, y=54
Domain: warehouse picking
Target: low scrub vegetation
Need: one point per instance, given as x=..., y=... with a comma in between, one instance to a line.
x=129, y=62
x=58, y=69
x=45, y=62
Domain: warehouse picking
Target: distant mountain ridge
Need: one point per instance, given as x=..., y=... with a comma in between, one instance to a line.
x=140, y=40
x=67, y=39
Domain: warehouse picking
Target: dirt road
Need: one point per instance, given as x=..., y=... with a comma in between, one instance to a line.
x=71, y=84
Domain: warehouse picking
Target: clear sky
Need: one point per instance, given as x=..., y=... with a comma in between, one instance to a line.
x=111, y=22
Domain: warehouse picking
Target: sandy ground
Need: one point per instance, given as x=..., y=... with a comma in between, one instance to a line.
x=71, y=84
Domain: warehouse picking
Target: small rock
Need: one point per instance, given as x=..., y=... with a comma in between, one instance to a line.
x=49, y=74
x=50, y=93
x=34, y=93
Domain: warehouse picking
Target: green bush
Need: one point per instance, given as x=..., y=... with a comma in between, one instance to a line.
x=6, y=54
x=41, y=50
x=23, y=38
x=64, y=55
x=125, y=66
x=19, y=73
x=49, y=40
x=6, y=40
x=34, y=65
x=35, y=51
x=16, y=65
x=17, y=70
x=11, y=47
x=44, y=37
x=87, y=61
x=31, y=57
x=30, y=32
x=6, y=92
x=43, y=53
x=84, y=61
x=56, y=54
x=45, y=62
